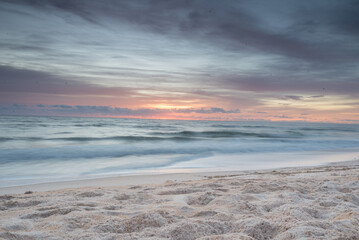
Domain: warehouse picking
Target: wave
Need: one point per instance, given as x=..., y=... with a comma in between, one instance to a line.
x=26, y=125
x=130, y=166
x=230, y=134
x=94, y=125
x=240, y=126
x=5, y=139
x=126, y=138
x=89, y=139
x=338, y=129
x=163, y=136
x=181, y=148
x=98, y=151
x=224, y=126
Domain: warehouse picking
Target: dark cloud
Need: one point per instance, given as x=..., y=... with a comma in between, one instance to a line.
x=293, y=97
x=16, y=105
x=62, y=106
x=304, y=84
x=229, y=24
x=30, y=81
x=23, y=47
x=281, y=116
x=106, y=110
x=334, y=16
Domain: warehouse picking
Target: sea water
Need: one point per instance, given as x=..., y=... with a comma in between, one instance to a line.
x=44, y=149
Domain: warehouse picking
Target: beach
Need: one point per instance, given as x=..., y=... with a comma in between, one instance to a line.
x=179, y=120
x=289, y=203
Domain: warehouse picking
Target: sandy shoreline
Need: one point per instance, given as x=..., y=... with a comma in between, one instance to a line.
x=292, y=203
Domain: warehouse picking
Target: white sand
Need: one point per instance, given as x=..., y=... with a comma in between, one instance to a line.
x=296, y=203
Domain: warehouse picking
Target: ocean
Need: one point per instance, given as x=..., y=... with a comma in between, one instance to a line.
x=46, y=149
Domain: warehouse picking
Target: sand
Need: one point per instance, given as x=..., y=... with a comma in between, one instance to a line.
x=296, y=203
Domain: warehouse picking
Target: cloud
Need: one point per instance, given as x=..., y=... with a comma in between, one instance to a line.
x=293, y=97
x=23, y=80
x=281, y=116
x=353, y=121
x=303, y=84
x=62, y=106
x=203, y=110
x=106, y=110
x=88, y=110
x=232, y=24
x=134, y=54
x=317, y=96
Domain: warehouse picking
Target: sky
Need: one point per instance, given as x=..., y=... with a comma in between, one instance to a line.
x=272, y=60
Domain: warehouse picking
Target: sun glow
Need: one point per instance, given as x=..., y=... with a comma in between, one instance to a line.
x=166, y=106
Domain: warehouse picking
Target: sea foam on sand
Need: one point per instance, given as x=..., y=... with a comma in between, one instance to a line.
x=297, y=203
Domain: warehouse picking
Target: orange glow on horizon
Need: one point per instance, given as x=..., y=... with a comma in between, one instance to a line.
x=166, y=106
